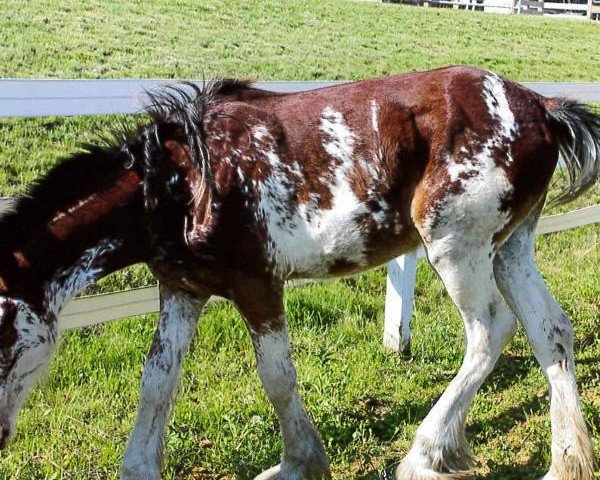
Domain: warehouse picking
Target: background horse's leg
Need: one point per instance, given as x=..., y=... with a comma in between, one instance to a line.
x=440, y=449
x=176, y=328
x=550, y=333
x=303, y=452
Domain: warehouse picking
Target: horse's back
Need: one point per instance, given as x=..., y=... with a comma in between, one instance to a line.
x=336, y=177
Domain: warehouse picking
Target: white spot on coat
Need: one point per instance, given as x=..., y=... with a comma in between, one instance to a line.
x=483, y=183
x=375, y=115
x=305, y=240
x=499, y=109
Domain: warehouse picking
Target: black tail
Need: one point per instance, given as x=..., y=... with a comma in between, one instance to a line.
x=578, y=132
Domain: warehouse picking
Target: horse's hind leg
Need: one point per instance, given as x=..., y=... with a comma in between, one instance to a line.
x=458, y=231
x=551, y=335
x=176, y=328
x=303, y=452
x=440, y=449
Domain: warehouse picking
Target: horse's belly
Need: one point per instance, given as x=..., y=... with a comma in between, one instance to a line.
x=332, y=242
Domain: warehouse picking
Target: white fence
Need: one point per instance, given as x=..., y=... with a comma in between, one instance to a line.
x=20, y=98
x=36, y=98
x=588, y=10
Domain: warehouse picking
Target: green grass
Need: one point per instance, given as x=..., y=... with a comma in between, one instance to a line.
x=283, y=40
x=366, y=402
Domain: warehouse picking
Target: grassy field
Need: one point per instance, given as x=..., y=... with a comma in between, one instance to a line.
x=366, y=402
x=282, y=40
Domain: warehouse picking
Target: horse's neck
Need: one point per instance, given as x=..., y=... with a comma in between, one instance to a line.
x=54, y=256
x=93, y=264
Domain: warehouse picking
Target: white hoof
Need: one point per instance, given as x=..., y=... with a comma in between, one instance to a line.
x=287, y=472
x=270, y=474
x=407, y=471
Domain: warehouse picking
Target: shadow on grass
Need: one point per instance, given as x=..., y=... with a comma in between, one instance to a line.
x=534, y=469
x=510, y=371
x=303, y=312
x=383, y=419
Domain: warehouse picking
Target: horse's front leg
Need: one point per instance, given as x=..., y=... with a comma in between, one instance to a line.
x=303, y=452
x=176, y=327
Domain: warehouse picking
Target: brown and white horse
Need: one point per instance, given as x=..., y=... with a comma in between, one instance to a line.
x=231, y=190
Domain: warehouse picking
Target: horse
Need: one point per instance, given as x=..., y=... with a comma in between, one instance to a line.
x=231, y=190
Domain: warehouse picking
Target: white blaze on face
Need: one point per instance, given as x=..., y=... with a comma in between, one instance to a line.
x=36, y=336
x=70, y=281
x=303, y=238
x=23, y=361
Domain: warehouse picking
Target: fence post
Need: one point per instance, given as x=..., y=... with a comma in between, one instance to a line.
x=593, y=10
x=399, y=297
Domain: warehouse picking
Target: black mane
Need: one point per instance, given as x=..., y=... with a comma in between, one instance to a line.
x=62, y=186
x=183, y=105
x=186, y=102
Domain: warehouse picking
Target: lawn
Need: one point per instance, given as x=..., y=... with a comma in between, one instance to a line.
x=365, y=401
x=282, y=40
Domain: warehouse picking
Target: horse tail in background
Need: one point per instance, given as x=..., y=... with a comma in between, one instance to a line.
x=578, y=132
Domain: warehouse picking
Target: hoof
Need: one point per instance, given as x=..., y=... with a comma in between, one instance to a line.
x=270, y=474
x=310, y=472
x=407, y=471
x=575, y=463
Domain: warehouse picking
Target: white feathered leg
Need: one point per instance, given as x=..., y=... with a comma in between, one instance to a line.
x=550, y=333
x=176, y=328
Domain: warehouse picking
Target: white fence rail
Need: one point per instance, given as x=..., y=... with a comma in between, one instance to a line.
x=21, y=98
x=578, y=11
x=33, y=98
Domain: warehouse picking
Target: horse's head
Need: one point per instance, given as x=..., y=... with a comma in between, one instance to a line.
x=26, y=343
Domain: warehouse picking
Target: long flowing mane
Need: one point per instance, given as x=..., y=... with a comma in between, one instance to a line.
x=179, y=113
x=185, y=104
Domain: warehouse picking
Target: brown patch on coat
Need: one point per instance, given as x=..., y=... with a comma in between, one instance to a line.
x=260, y=301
